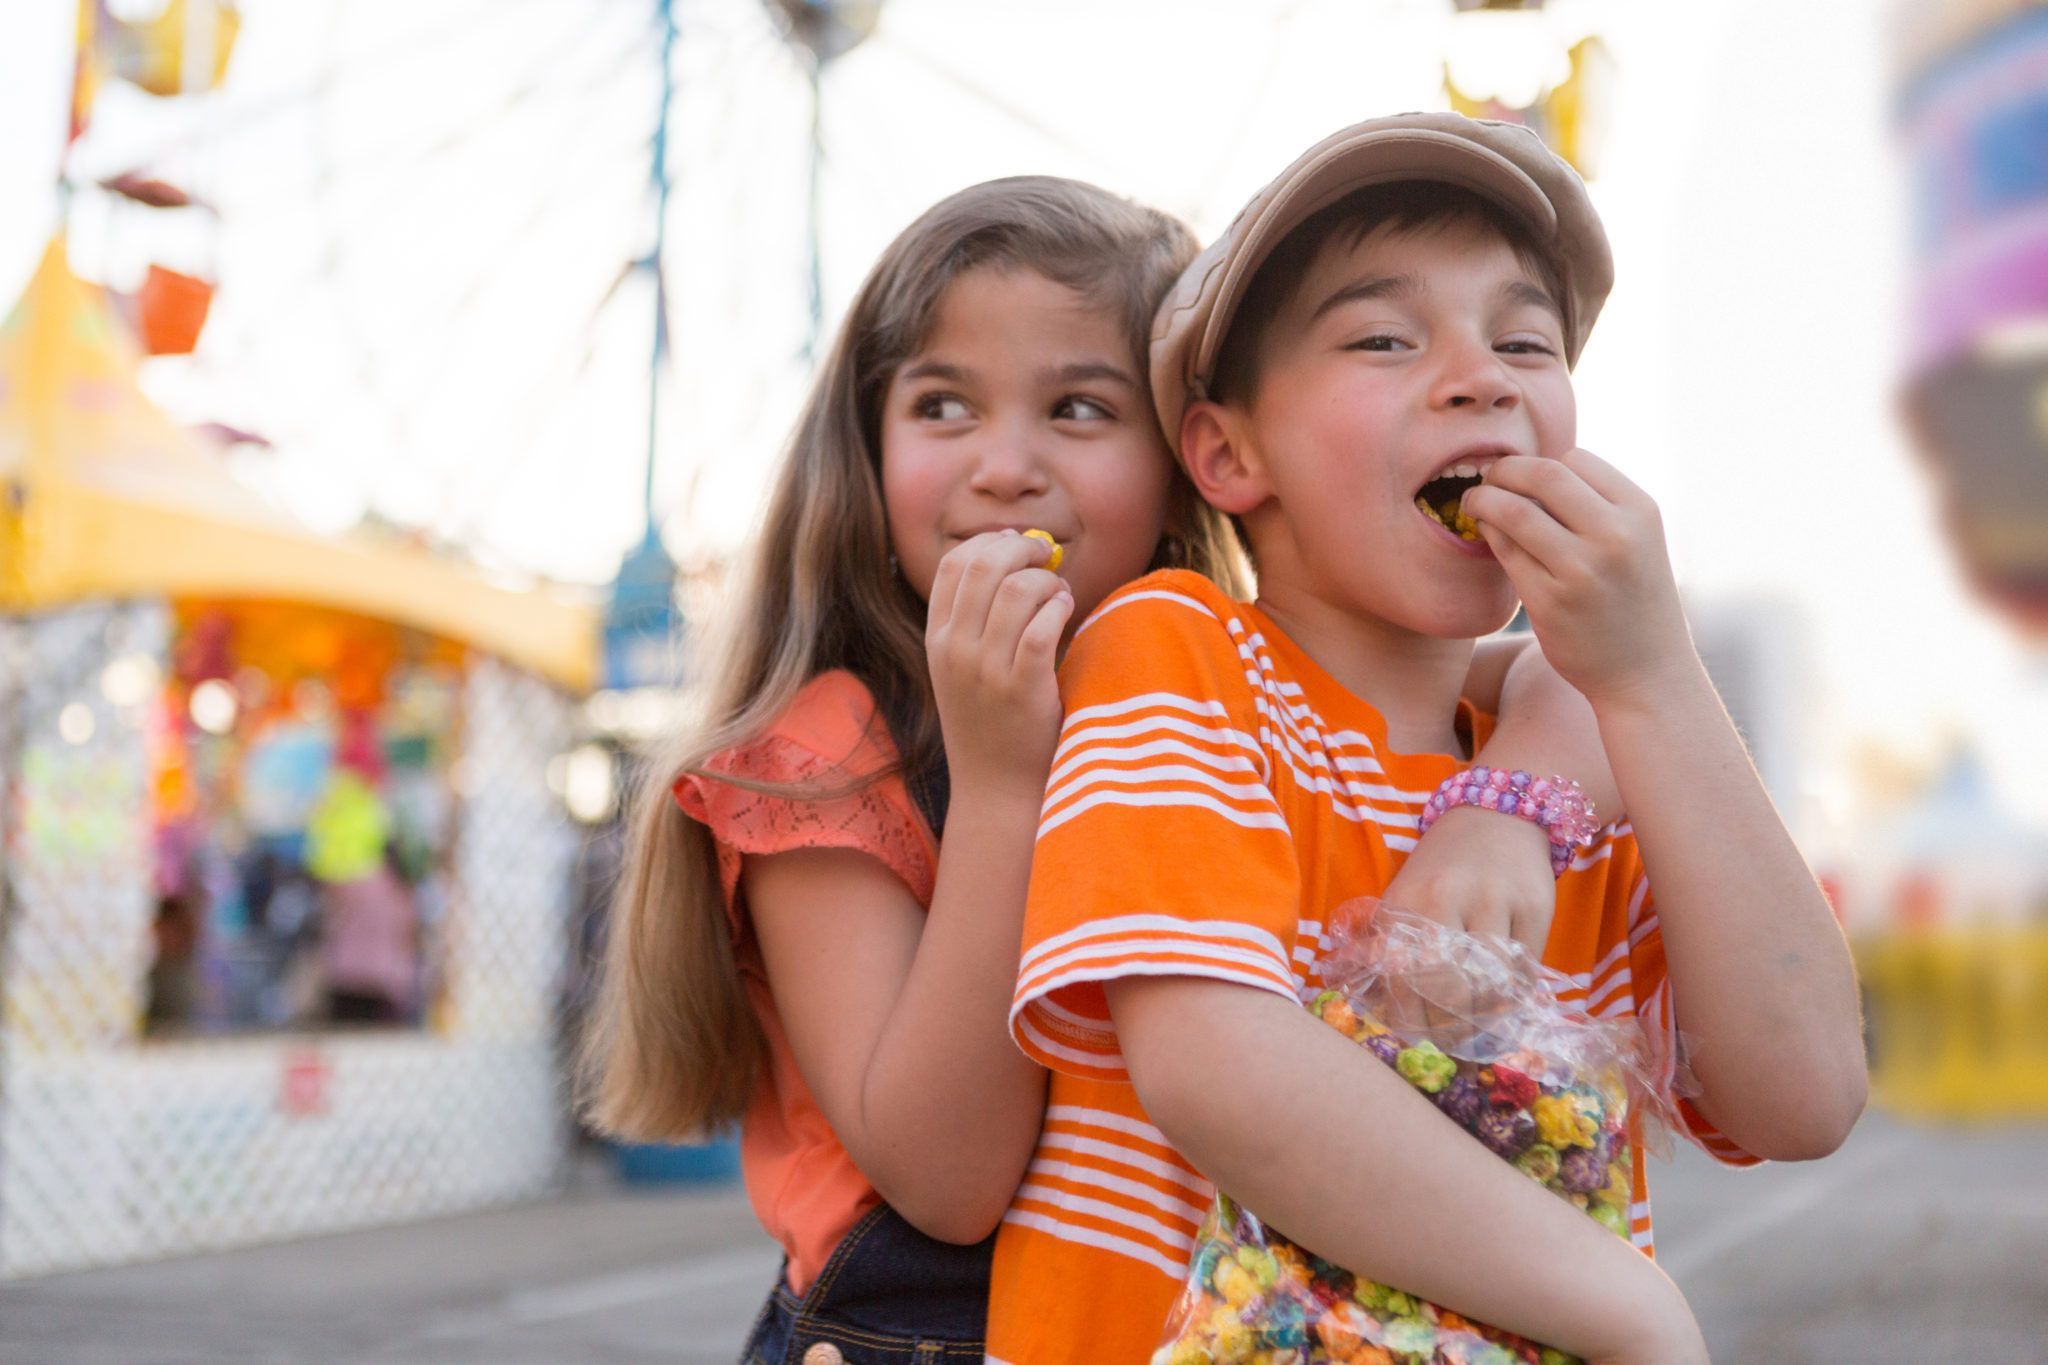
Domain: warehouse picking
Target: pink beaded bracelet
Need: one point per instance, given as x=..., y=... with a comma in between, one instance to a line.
x=1556, y=804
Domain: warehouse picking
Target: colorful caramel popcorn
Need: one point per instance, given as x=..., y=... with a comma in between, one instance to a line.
x=1540, y=1163
x=1425, y=1067
x=1567, y=1120
x=1562, y=1120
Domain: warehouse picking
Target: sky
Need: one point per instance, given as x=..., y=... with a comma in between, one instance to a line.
x=426, y=211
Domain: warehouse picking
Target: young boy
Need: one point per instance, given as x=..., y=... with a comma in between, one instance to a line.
x=1387, y=327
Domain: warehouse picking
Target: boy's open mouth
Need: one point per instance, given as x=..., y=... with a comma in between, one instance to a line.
x=1441, y=501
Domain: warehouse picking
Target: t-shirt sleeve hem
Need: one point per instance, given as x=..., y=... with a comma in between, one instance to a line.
x=1704, y=1135
x=1062, y=1023
x=1666, y=1044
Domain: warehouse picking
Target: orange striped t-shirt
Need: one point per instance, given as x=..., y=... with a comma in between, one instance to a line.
x=1215, y=794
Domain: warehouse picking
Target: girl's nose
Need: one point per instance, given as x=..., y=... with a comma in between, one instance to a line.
x=1008, y=464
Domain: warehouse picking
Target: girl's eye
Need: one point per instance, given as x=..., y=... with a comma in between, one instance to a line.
x=1378, y=341
x=1080, y=408
x=941, y=407
x=1525, y=347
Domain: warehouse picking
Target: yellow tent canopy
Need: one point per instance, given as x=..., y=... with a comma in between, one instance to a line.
x=102, y=495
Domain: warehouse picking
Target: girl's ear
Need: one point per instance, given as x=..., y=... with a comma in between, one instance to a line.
x=1221, y=460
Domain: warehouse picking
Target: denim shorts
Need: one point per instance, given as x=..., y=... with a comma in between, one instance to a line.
x=888, y=1296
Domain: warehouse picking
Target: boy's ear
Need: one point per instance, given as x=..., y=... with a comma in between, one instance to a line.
x=1221, y=460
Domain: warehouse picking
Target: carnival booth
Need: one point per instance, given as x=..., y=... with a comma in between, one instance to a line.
x=283, y=890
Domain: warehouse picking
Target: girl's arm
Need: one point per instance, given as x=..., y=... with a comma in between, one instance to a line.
x=1761, y=981
x=1488, y=873
x=1324, y=1141
x=899, y=1019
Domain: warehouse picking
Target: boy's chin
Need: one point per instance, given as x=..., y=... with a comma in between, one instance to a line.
x=1470, y=617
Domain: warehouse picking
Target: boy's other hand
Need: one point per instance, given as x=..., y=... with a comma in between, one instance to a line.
x=1483, y=873
x=992, y=637
x=1585, y=549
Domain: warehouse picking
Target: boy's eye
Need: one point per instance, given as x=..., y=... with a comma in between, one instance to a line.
x=941, y=407
x=1080, y=408
x=1522, y=346
x=1378, y=341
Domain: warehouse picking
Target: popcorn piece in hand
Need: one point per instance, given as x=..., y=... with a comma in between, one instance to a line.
x=1058, y=552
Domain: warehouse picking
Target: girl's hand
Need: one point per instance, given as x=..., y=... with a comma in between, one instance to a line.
x=1585, y=549
x=992, y=637
x=1481, y=872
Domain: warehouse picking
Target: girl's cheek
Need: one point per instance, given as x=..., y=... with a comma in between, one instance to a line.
x=916, y=563
x=913, y=499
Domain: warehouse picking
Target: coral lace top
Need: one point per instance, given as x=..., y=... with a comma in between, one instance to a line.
x=804, y=1187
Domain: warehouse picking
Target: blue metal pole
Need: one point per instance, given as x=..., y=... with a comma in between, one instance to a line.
x=665, y=12
x=812, y=227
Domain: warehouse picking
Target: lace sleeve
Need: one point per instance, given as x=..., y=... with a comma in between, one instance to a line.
x=878, y=819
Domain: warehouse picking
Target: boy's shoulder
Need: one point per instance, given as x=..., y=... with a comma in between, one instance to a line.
x=1171, y=639
x=1169, y=600
x=1172, y=624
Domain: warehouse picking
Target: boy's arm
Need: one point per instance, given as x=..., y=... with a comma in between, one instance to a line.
x=1323, y=1141
x=1543, y=723
x=1491, y=660
x=1486, y=873
x=1760, y=975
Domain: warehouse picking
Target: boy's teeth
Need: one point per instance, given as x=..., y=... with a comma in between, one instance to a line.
x=1463, y=471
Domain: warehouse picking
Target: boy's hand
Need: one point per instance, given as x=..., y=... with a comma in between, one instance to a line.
x=1483, y=873
x=992, y=636
x=1585, y=549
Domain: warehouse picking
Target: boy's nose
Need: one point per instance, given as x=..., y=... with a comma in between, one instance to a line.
x=1475, y=378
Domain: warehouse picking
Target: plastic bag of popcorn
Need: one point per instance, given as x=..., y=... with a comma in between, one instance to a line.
x=1475, y=1024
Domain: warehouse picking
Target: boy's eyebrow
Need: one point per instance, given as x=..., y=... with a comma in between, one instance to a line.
x=1533, y=294
x=1378, y=287
x=1409, y=286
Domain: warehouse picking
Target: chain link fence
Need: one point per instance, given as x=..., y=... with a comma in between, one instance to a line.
x=118, y=1148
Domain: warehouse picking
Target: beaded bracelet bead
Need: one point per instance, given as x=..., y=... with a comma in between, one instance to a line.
x=1555, y=804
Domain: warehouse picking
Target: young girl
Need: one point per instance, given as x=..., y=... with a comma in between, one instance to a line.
x=791, y=947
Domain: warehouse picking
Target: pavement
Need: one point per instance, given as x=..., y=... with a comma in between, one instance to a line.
x=1912, y=1244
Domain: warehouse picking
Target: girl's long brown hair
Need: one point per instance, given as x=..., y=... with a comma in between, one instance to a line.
x=673, y=1049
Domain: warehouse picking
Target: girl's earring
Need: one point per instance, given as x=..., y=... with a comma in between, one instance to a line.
x=895, y=569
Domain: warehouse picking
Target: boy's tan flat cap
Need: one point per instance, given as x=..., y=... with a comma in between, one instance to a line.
x=1503, y=161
